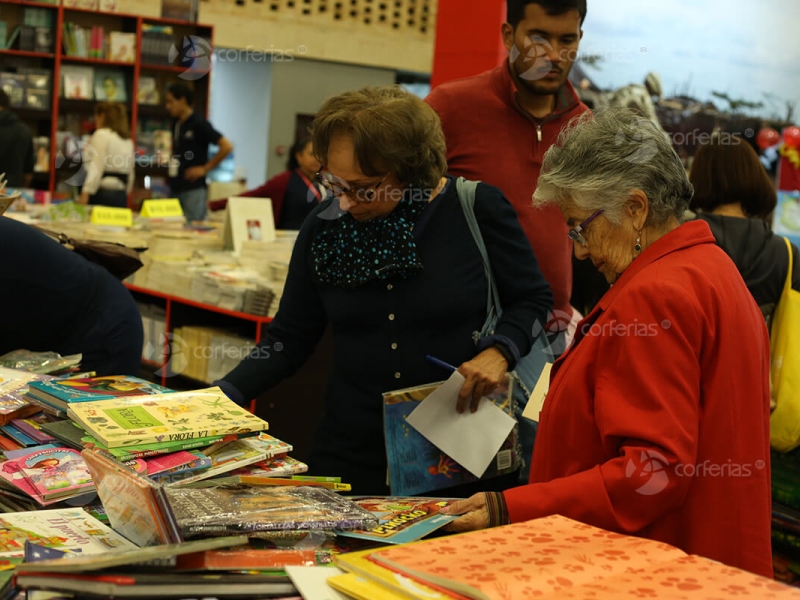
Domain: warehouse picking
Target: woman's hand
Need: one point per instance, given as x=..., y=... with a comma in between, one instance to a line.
x=474, y=511
x=483, y=375
x=83, y=198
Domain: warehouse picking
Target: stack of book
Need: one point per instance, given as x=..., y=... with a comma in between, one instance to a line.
x=552, y=558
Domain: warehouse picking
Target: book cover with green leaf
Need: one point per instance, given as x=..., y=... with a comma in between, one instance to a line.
x=137, y=420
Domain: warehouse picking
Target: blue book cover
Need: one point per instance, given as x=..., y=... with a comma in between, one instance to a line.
x=19, y=437
x=416, y=466
x=93, y=388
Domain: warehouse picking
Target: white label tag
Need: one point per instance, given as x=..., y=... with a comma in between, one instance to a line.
x=174, y=166
x=535, y=403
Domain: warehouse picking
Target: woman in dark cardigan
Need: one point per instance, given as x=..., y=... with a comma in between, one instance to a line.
x=388, y=259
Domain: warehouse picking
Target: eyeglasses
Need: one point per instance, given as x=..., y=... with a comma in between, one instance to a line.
x=575, y=233
x=336, y=187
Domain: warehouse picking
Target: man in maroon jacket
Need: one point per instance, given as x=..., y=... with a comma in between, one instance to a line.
x=499, y=124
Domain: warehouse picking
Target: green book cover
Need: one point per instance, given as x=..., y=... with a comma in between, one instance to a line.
x=75, y=437
x=179, y=416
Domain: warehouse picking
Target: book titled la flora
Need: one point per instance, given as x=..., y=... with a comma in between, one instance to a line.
x=159, y=418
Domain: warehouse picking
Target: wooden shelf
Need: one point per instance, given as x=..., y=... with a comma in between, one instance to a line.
x=76, y=105
x=95, y=61
x=27, y=53
x=27, y=3
x=172, y=69
x=57, y=61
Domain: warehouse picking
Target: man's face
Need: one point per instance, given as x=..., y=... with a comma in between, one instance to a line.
x=174, y=106
x=543, y=48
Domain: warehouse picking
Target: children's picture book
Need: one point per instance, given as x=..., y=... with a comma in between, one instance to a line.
x=416, y=466
x=402, y=520
x=164, y=418
x=32, y=426
x=121, y=46
x=200, y=462
x=248, y=219
x=132, y=502
x=68, y=529
x=109, y=86
x=63, y=392
x=55, y=472
x=148, y=91
x=75, y=436
x=78, y=82
x=227, y=456
x=18, y=436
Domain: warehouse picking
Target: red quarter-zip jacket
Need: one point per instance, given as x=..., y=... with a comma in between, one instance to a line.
x=491, y=139
x=657, y=419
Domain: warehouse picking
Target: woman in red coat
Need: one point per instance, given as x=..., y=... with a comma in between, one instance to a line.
x=657, y=418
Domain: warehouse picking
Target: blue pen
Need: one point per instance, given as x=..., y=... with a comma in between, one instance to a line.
x=440, y=363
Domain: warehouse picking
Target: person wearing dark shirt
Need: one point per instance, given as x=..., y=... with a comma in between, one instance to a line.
x=16, y=146
x=734, y=195
x=189, y=164
x=499, y=124
x=294, y=193
x=390, y=263
x=58, y=301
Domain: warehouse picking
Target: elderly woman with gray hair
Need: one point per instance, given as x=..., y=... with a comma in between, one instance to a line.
x=656, y=422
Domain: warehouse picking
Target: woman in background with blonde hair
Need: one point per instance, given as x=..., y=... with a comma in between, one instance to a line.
x=109, y=158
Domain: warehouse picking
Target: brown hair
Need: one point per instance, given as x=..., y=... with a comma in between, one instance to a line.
x=728, y=170
x=116, y=118
x=392, y=130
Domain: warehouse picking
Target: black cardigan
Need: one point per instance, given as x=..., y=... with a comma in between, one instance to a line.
x=383, y=330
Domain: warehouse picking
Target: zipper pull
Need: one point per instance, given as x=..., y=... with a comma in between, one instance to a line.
x=539, y=133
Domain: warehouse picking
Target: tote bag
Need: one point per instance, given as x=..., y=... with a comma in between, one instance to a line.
x=784, y=423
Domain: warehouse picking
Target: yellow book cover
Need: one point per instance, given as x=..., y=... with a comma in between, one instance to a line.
x=160, y=418
x=361, y=588
x=395, y=584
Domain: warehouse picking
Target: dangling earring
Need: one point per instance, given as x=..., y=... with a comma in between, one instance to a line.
x=638, y=246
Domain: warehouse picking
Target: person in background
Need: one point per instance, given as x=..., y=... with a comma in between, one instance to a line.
x=16, y=146
x=499, y=124
x=110, y=158
x=190, y=164
x=63, y=303
x=656, y=422
x=734, y=195
x=389, y=261
x=294, y=193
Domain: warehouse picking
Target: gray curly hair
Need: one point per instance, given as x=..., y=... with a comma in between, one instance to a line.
x=601, y=157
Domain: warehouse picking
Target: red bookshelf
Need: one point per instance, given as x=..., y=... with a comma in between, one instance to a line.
x=95, y=61
x=173, y=304
x=26, y=53
x=47, y=122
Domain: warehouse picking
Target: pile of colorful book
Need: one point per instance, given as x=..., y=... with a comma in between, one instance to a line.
x=174, y=438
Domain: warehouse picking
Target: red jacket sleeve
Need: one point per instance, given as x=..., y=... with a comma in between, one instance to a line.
x=646, y=410
x=275, y=189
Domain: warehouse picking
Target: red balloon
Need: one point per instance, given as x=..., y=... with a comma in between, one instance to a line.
x=791, y=137
x=767, y=137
